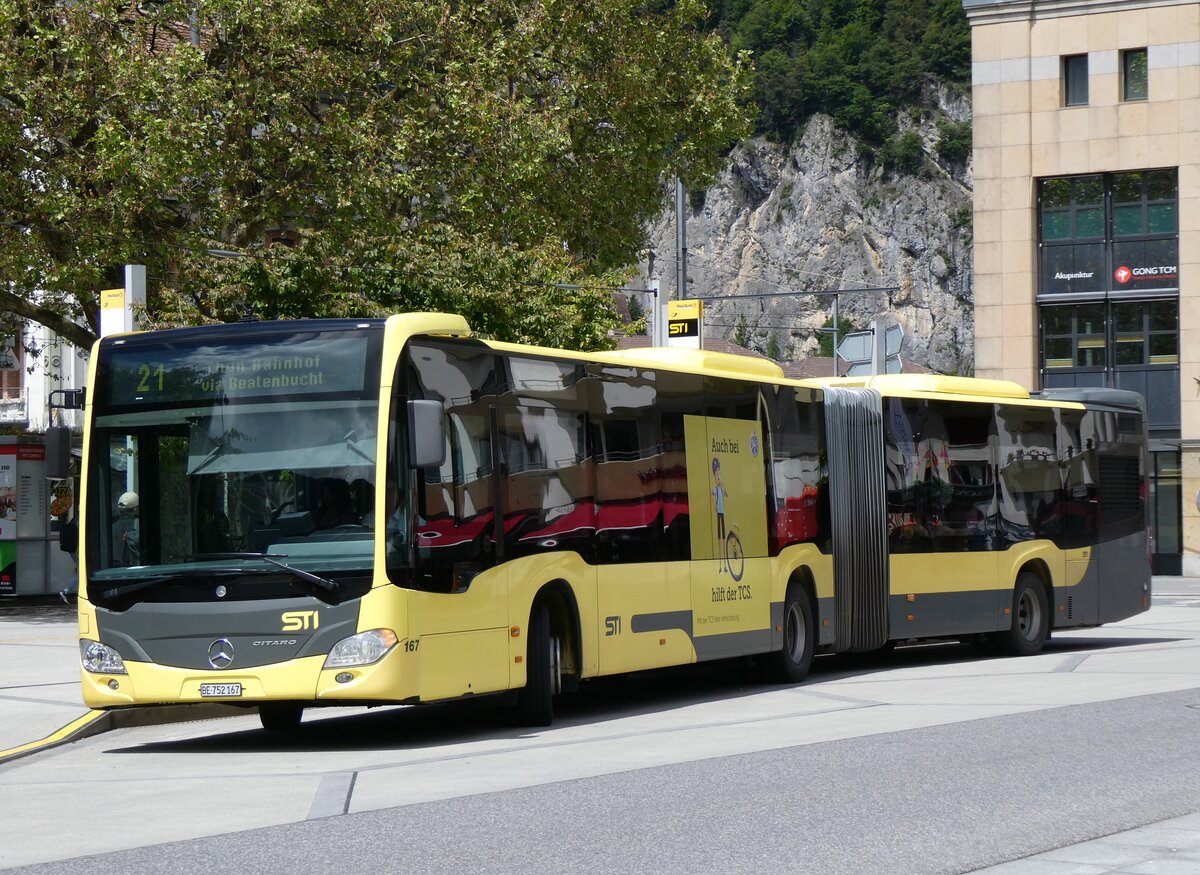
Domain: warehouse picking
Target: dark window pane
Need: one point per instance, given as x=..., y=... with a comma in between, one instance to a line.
x=1090, y=319
x=1058, y=352
x=1078, y=268
x=1089, y=222
x=1056, y=193
x=1075, y=72
x=1127, y=220
x=1164, y=316
x=1130, y=350
x=1145, y=264
x=1088, y=189
x=1091, y=352
x=1133, y=74
x=1164, y=253
x=1127, y=188
x=1056, y=320
x=1161, y=219
x=1164, y=349
x=1056, y=225
x=1127, y=317
x=1161, y=185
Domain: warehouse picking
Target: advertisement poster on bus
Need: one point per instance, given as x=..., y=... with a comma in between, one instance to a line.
x=728, y=525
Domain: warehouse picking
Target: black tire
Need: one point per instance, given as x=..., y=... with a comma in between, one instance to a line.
x=791, y=663
x=1030, y=618
x=535, y=701
x=280, y=716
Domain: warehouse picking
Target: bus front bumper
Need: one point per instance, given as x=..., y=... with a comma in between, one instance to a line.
x=304, y=680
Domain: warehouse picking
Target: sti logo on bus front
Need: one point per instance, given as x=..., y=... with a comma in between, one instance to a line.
x=300, y=621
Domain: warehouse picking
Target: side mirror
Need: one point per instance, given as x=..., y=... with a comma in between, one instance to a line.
x=426, y=434
x=58, y=452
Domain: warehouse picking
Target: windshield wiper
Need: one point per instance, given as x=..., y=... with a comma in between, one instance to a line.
x=273, y=558
x=126, y=589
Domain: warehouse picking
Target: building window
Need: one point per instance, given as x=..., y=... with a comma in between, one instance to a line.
x=1114, y=233
x=12, y=371
x=1072, y=234
x=1145, y=333
x=1119, y=343
x=1142, y=333
x=1075, y=80
x=1075, y=337
x=1134, y=83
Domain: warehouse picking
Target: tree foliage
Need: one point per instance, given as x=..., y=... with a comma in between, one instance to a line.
x=825, y=345
x=478, y=157
x=855, y=60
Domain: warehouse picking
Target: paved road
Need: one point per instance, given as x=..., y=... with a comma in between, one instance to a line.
x=932, y=761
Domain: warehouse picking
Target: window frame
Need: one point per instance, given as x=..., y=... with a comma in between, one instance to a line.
x=1074, y=263
x=1075, y=80
x=1127, y=55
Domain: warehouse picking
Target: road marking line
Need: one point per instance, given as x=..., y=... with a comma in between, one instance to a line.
x=57, y=737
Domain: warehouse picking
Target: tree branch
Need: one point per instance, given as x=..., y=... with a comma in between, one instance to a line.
x=69, y=331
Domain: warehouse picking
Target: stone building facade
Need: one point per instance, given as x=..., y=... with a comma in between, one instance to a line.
x=1087, y=218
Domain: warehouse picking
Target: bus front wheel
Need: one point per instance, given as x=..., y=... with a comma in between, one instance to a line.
x=279, y=716
x=535, y=701
x=1030, y=618
x=791, y=663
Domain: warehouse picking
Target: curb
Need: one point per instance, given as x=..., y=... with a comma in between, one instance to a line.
x=98, y=722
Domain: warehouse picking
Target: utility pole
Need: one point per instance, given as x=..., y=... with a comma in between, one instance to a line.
x=680, y=242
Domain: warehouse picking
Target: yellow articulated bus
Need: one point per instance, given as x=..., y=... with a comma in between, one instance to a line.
x=294, y=514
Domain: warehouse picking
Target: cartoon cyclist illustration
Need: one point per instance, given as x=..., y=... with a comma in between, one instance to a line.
x=729, y=545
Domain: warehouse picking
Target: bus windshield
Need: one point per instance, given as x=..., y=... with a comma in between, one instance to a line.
x=234, y=458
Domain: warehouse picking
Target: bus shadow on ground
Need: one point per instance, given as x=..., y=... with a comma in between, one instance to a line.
x=920, y=654
x=609, y=699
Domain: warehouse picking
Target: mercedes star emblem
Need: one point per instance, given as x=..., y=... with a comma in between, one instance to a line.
x=220, y=653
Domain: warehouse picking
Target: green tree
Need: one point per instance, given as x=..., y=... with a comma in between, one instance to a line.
x=825, y=338
x=858, y=61
x=483, y=157
x=954, y=142
x=904, y=152
x=741, y=333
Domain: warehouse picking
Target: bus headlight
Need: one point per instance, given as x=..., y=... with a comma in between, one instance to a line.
x=361, y=649
x=100, y=659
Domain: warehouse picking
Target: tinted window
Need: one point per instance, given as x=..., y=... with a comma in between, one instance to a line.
x=634, y=468
x=455, y=530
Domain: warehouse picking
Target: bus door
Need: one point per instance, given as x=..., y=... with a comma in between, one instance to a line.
x=459, y=614
x=641, y=622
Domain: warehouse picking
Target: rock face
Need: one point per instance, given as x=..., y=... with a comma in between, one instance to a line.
x=796, y=223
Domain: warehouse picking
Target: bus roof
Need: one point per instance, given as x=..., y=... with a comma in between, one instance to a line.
x=698, y=360
x=931, y=384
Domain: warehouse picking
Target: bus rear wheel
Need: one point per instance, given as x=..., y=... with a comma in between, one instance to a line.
x=1030, y=618
x=535, y=701
x=279, y=716
x=791, y=663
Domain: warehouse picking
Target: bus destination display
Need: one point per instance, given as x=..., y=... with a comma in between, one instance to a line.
x=308, y=365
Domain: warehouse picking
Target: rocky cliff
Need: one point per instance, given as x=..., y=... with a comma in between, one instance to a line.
x=784, y=226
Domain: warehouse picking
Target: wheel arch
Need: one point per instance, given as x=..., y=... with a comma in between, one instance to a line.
x=1041, y=570
x=802, y=578
x=559, y=598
